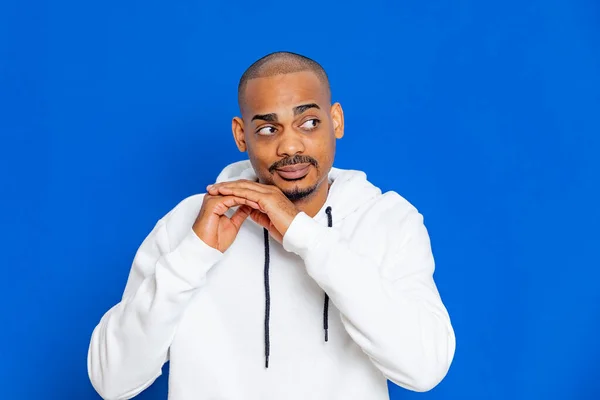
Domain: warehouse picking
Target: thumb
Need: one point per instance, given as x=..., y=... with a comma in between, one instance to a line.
x=260, y=218
x=263, y=220
x=240, y=215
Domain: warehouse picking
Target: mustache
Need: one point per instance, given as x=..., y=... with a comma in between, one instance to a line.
x=297, y=159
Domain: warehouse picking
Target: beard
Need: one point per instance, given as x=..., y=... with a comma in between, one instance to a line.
x=297, y=193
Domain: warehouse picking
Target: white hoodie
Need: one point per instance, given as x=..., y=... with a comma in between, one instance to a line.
x=205, y=310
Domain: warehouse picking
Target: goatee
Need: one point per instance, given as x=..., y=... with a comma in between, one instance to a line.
x=299, y=194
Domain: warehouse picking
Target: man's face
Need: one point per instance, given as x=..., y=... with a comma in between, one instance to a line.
x=289, y=129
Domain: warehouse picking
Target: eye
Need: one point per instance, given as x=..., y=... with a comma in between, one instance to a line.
x=266, y=131
x=310, y=124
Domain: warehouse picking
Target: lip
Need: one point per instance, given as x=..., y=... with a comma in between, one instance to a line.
x=296, y=171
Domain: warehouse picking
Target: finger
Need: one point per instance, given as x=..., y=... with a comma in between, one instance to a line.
x=261, y=218
x=238, y=217
x=243, y=183
x=264, y=221
x=249, y=194
x=223, y=203
x=232, y=201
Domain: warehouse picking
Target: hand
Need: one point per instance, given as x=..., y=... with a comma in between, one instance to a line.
x=275, y=211
x=213, y=227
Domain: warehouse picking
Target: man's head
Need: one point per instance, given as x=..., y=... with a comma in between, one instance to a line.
x=288, y=125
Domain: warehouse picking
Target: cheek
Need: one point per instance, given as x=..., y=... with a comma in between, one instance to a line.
x=325, y=150
x=257, y=153
x=261, y=161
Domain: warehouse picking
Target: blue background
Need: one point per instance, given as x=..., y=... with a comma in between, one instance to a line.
x=485, y=115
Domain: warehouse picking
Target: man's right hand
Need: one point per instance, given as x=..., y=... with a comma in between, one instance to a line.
x=214, y=228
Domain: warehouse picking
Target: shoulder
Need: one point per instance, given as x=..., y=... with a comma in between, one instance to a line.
x=394, y=221
x=394, y=209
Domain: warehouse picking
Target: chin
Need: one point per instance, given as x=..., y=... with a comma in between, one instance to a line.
x=298, y=191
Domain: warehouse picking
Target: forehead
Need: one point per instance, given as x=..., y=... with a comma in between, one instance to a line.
x=268, y=94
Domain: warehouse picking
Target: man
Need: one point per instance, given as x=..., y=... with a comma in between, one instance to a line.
x=288, y=279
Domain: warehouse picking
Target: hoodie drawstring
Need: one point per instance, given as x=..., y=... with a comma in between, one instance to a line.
x=268, y=294
x=326, y=305
x=267, y=299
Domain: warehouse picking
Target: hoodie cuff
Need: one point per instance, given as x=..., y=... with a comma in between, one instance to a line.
x=192, y=259
x=303, y=235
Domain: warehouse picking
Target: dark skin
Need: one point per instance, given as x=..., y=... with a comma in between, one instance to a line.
x=287, y=121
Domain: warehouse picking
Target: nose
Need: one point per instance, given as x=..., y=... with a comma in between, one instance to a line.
x=290, y=144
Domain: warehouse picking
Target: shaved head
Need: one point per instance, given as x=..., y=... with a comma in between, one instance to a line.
x=279, y=63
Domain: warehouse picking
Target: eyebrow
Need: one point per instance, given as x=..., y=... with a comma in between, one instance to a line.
x=300, y=109
x=266, y=117
x=272, y=117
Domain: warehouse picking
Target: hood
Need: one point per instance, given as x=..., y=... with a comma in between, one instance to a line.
x=349, y=190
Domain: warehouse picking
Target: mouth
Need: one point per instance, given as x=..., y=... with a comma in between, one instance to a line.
x=293, y=172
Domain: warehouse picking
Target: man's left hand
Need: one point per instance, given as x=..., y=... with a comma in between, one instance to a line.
x=276, y=211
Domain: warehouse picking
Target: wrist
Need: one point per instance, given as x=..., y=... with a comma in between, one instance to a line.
x=303, y=235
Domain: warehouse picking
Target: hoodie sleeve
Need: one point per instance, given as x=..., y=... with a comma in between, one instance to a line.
x=130, y=344
x=392, y=309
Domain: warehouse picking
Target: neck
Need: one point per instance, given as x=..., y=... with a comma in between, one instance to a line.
x=313, y=203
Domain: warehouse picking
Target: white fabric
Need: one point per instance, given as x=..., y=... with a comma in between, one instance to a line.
x=204, y=310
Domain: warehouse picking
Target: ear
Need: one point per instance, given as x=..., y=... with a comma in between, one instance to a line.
x=237, y=127
x=337, y=116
